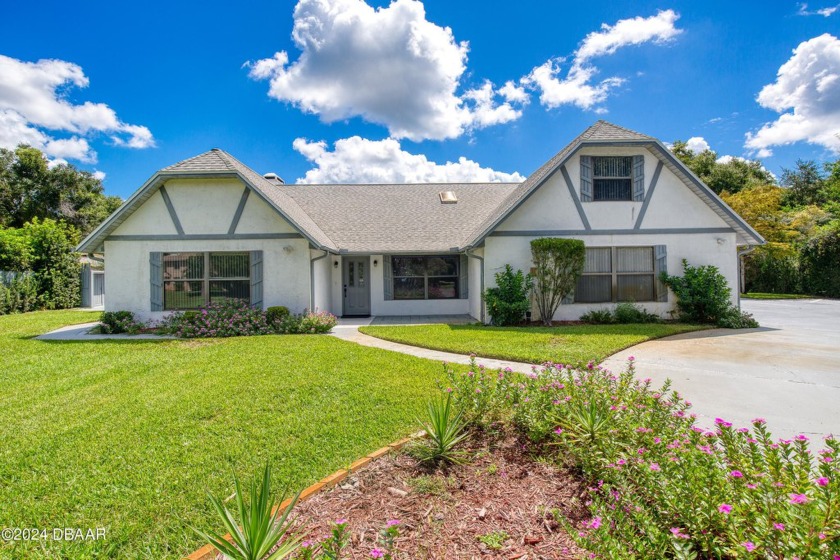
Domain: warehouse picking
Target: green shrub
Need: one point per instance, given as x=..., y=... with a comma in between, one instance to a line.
x=820, y=262
x=309, y=322
x=119, y=322
x=446, y=429
x=276, y=313
x=18, y=292
x=508, y=302
x=627, y=313
x=232, y=317
x=663, y=487
x=558, y=263
x=598, y=317
x=702, y=293
x=734, y=318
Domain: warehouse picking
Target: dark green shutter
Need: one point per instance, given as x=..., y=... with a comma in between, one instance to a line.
x=660, y=265
x=257, y=279
x=156, y=281
x=387, y=277
x=638, y=178
x=463, y=278
x=586, y=178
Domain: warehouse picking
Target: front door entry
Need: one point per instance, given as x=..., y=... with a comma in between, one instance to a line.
x=356, y=279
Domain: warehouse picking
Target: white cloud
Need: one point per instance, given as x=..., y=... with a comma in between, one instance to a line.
x=697, y=144
x=359, y=160
x=825, y=12
x=34, y=105
x=99, y=175
x=806, y=93
x=578, y=86
x=388, y=65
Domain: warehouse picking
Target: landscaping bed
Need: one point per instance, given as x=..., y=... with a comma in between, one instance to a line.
x=568, y=344
x=501, y=503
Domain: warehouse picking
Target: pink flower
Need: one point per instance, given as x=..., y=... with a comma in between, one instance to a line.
x=725, y=509
x=736, y=474
x=801, y=437
x=595, y=523
x=779, y=526
x=392, y=523
x=655, y=467
x=822, y=481
x=752, y=486
x=722, y=422
x=341, y=521
x=759, y=421
x=798, y=498
x=377, y=553
x=677, y=532
x=558, y=431
x=748, y=545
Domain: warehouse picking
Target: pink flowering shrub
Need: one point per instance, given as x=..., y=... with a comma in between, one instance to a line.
x=662, y=486
x=309, y=322
x=233, y=317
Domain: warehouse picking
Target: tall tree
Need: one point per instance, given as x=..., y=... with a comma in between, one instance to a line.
x=804, y=184
x=732, y=175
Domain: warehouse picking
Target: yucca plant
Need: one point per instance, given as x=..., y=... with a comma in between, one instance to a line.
x=261, y=528
x=446, y=428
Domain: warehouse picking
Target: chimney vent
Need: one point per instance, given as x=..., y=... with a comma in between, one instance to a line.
x=274, y=178
x=448, y=197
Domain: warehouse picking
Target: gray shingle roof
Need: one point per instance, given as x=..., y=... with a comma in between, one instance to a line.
x=395, y=218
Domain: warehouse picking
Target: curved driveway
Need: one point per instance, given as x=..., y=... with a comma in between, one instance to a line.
x=787, y=371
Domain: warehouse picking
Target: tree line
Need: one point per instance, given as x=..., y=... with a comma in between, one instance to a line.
x=45, y=210
x=798, y=215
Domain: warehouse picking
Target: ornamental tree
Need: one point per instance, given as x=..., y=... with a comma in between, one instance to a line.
x=558, y=263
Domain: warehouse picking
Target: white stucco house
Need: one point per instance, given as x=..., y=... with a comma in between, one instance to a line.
x=210, y=228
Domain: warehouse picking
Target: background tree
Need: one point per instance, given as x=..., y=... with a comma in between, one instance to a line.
x=558, y=263
x=732, y=175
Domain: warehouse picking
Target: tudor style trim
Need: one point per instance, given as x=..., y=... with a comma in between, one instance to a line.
x=171, y=209
x=558, y=232
x=239, y=209
x=203, y=236
x=649, y=195
x=575, y=198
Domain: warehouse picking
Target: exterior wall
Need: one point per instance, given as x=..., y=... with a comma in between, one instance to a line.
x=717, y=249
x=379, y=306
x=476, y=296
x=322, y=278
x=205, y=206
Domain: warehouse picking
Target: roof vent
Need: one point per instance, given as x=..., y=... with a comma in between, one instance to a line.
x=274, y=178
x=448, y=197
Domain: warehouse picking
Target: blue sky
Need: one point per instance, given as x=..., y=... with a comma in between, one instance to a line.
x=392, y=92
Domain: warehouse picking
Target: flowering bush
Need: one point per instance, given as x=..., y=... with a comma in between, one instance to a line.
x=119, y=322
x=309, y=322
x=332, y=547
x=233, y=317
x=661, y=485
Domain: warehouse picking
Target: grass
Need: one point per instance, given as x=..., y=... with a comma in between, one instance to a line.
x=130, y=435
x=572, y=344
x=762, y=295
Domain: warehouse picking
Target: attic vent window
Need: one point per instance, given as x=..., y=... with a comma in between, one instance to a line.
x=448, y=197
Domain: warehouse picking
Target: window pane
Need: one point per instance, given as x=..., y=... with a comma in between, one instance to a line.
x=443, y=288
x=408, y=266
x=442, y=266
x=351, y=274
x=409, y=288
x=598, y=259
x=223, y=290
x=182, y=295
x=182, y=266
x=635, y=287
x=230, y=265
x=612, y=166
x=635, y=259
x=593, y=289
x=612, y=189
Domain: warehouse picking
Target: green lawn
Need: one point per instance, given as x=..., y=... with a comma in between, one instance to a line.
x=130, y=435
x=761, y=295
x=570, y=344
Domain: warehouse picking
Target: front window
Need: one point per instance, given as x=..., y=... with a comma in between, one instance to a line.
x=432, y=277
x=191, y=280
x=612, y=178
x=617, y=274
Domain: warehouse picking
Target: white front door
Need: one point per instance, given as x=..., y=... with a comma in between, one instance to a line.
x=356, y=279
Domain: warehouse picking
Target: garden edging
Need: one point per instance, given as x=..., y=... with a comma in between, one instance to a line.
x=208, y=552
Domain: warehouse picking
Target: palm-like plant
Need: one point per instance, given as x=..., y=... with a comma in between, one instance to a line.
x=446, y=428
x=262, y=529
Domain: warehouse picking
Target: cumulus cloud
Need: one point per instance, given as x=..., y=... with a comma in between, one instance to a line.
x=806, y=93
x=579, y=86
x=697, y=144
x=824, y=12
x=34, y=106
x=359, y=160
x=389, y=65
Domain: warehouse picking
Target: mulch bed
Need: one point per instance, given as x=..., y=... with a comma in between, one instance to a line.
x=442, y=513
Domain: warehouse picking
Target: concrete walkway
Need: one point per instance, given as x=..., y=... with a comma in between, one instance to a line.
x=350, y=332
x=81, y=333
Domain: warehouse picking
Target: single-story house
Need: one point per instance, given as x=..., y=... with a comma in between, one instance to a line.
x=210, y=228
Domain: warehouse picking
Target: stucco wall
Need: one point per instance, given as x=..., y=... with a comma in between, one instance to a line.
x=207, y=207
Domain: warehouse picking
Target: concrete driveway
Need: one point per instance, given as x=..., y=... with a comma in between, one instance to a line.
x=787, y=371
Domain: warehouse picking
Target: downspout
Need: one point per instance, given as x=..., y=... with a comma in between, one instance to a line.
x=481, y=295
x=312, y=279
x=741, y=282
